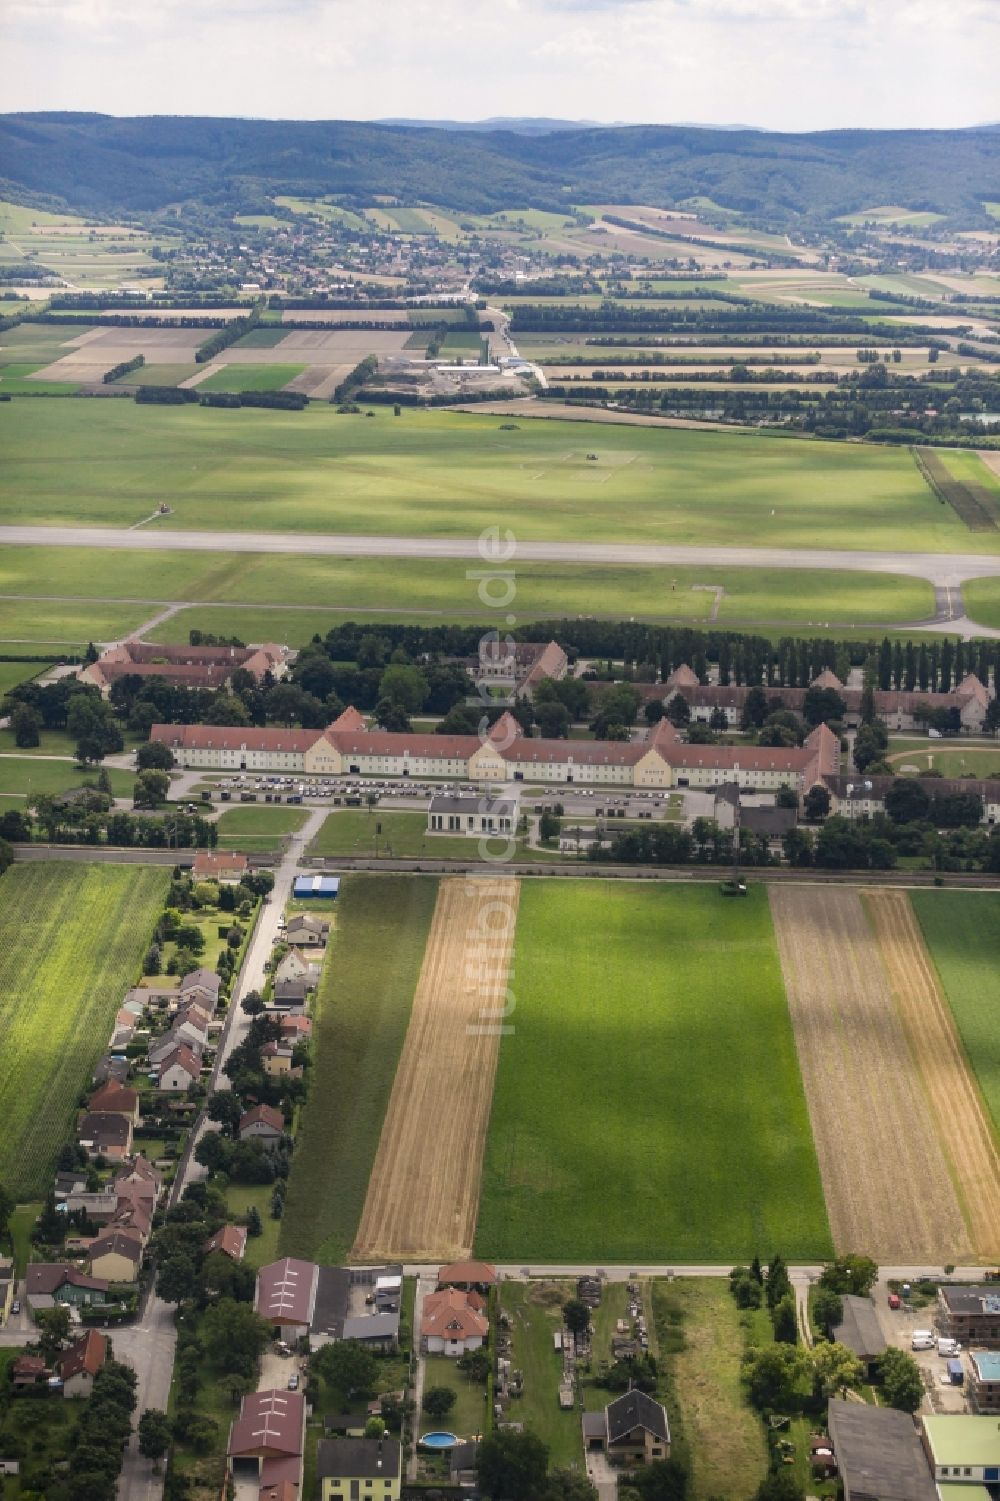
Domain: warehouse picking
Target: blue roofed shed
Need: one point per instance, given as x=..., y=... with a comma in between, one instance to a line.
x=317, y=886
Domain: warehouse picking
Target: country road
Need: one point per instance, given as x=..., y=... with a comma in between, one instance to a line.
x=943, y=570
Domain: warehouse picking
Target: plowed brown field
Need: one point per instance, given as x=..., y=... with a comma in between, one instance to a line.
x=957, y=1105
x=424, y=1189
x=888, y=1190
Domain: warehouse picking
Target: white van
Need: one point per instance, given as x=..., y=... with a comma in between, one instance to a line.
x=949, y=1347
x=922, y=1339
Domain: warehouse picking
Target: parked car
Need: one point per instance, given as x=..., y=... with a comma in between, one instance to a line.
x=895, y=1301
x=15, y=1307
x=293, y=1382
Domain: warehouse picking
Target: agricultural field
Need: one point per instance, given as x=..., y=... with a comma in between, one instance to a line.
x=359, y=1024
x=901, y=1205
x=962, y=1119
x=80, y=931
x=446, y=474
x=258, y=830
x=609, y=1130
x=250, y=377
x=962, y=931
x=424, y=1187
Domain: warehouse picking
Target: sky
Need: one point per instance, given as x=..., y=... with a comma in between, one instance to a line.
x=777, y=64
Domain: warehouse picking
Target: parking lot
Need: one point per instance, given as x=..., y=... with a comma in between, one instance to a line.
x=898, y=1326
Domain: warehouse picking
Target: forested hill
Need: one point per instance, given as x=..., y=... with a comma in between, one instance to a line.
x=104, y=164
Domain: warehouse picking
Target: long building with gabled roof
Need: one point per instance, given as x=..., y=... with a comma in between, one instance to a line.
x=347, y=747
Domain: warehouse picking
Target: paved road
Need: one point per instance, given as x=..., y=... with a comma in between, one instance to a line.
x=941, y=569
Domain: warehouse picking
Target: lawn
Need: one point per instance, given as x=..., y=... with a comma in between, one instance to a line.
x=468, y=1416
x=355, y=831
x=612, y=1134
x=251, y=378
x=724, y=1437
x=68, y=624
x=534, y=1310
x=28, y=774
x=982, y=601
x=263, y=1248
x=258, y=829
x=952, y=758
x=359, y=1022
x=12, y=673
x=72, y=937
x=962, y=931
x=448, y=474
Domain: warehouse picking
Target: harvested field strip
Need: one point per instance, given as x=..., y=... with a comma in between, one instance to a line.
x=424, y=1187
x=962, y=1119
x=962, y=931
x=360, y=1021
x=973, y=504
x=72, y=937
x=888, y=1190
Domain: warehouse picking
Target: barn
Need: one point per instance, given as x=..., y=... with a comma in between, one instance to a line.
x=317, y=886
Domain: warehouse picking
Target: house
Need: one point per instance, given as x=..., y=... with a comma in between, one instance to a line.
x=183, y=666
x=286, y=1297
x=138, y=1179
x=201, y=985
x=81, y=1362
x=290, y=993
x=295, y=965
x=470, y=1275
x=352, y=1467
x=116, y=1099
x=307, y=932
x=133, y=1216
x=472, y=815
x=295, y=1029
x=103, y=1133
x=862, y=798
x=51, y=1282
x=518, y=665
x=262, y=1123
x=462, y=1464
x=179, y=1069
x=860, y=1331
x=632, y=1430
x=70, y=1182
x=225, y=867
x=277, y=1061
x=878, y=1453
x=28, y=1371
x=962, y=1447
x=101, y=1207
x=453, y=1322
x=971, y=1315
x=116, y=1256
x=111, y=1067
x=266, y=1440
x=231, y=1241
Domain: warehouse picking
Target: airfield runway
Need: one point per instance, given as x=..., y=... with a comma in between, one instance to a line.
x=943, y=570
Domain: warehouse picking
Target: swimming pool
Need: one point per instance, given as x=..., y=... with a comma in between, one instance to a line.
x=439, y=1440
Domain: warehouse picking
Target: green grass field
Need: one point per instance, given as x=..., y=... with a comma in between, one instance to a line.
x=158, y=375
x=352, y=831
x=26, y=774
x=13, y=673
x=951, y=758
x=447, y=474
x=962, y=931
x=251, y=378
x=723, y=1436
x=259, y=830
x=72, y=937
x=613, y=1132
x=68, y=625
x=982, y=601
x=359, y=1020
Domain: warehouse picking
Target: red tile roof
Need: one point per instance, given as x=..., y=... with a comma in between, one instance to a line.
x=230, y=737
x=86, y=1354
x=115, y=1098
x=286, y=1291
x=452, y=1314
x=482, y=1272
x=264, y=1115
x=231, y=1240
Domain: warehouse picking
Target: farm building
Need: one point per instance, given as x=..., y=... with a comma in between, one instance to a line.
x=286, y=1296
x=471, y=815
x=878, y=1453
x=632, y=1430
x=316, y=886
x=860, y=1331
x=266, y=1440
